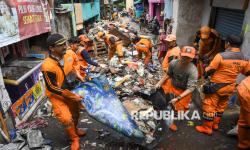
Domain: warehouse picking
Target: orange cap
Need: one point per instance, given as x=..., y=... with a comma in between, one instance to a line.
x=205, y=32
x=170, y=38
x=188, y=51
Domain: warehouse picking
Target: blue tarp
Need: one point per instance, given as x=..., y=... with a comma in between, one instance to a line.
x=102, y=103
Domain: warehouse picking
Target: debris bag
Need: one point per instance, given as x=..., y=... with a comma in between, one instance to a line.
x=158, y=99
x=102, y=104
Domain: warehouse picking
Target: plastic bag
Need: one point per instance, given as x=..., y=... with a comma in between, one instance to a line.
x=102, y=103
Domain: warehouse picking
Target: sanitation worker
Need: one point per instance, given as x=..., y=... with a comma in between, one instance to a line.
x=64, y=102
x=224, y=69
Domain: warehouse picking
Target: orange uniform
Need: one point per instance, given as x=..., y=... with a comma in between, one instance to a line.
x=81, y=62
x=172, y=53
x=183, y=104
x=71, y=62
x=88, y=46
x=243, y=90
x=228, y=66
x=244, y=120
x=208, y=47
x=56, y=86
x=114, y=44
x=144, y=46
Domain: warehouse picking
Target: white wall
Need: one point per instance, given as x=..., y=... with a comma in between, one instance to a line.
x=175, y=15
x=206, y=13
x=188, y=21
x=246, y=30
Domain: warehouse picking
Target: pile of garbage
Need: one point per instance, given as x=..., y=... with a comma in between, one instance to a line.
x=127, y=78
x=28, y=136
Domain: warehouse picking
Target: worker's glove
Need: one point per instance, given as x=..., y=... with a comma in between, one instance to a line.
x=71, y=96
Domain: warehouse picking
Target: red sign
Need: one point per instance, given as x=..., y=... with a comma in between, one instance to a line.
x=22, y=19
x=33, y=17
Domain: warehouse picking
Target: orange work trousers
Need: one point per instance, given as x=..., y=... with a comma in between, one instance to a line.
x=66, y=112
x=116, y=48
x=182, y=104
x=216, y=103
x=147, y=57
x=244, y=123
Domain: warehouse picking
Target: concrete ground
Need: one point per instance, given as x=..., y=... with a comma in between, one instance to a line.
x=186, y=138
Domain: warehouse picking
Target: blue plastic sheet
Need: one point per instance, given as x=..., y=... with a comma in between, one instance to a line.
x=102, y=103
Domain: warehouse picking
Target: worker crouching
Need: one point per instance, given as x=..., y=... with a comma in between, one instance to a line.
x=113, y=43
x=180, y=81
x=143, y=46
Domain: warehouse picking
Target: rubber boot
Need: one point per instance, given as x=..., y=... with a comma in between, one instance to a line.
x=80, y=132
x=74, y=137
x=206, y=128
x=216, y=123
x=173, y=127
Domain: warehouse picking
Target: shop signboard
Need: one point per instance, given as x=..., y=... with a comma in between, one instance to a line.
x=21, y=106
x=21, y=19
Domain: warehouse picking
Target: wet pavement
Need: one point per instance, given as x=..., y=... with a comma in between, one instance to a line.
x=186, y=138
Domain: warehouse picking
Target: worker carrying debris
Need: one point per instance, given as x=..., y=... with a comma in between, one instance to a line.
x=180, y=81
x=84, y=56
x=87, y=43
x=243, y=90
x=173, y=51
x=65, y=103
x=71, y=61
x=113, y=43
x=209, y=43
x=143, y=46
x=224, y=69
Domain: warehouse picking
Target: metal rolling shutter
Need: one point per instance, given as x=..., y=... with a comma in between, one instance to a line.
x=229, y=21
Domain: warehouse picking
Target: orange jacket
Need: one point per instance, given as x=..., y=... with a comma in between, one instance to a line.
x=54, y=76
x=144, y=45
x=82, y=62
x=228, y=66
x=88, y=43
x=71, y=62
x=210, y=46
x=110, y=39
x=173, y=52
x=243, y=90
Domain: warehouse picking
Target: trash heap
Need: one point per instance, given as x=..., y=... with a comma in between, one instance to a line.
x=131, y=75
x=128, y=78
